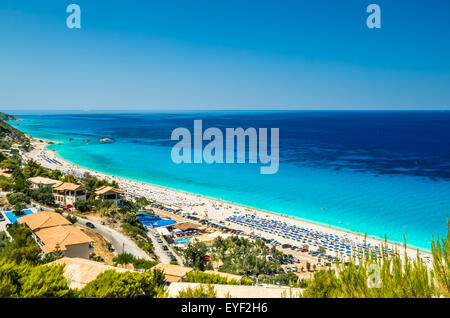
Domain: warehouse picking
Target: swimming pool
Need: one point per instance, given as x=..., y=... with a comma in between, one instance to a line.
x=183, y=240
x=13, y=218
x=155, y=221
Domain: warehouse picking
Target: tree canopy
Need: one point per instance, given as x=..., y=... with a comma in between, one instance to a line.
x=23, y=247
x=112, y=284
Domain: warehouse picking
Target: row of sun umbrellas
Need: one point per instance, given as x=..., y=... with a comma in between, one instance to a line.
x=329, y=241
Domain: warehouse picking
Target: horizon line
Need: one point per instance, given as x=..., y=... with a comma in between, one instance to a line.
x=84, y=111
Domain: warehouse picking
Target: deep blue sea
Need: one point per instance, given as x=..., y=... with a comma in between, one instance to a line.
x=370, y=172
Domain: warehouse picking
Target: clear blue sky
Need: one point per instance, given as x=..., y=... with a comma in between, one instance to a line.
x=227, y=54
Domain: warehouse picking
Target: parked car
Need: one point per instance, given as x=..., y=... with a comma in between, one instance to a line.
x=165, y=248
x=90, y=225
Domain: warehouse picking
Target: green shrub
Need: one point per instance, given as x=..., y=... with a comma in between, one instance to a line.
x=197, y=276
x=18, y=198
x=138, y=263
x=112, y=284
x=72, y=218
x=82, y=206
x=198, y=292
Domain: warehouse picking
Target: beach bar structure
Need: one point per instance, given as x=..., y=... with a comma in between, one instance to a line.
x=41, y=182
x=54, y=232
x=68, y=193
x=111, y=194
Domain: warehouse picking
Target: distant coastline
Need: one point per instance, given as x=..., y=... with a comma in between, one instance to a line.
x=8, y=117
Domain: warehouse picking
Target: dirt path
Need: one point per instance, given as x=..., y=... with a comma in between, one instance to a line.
x=100, y=245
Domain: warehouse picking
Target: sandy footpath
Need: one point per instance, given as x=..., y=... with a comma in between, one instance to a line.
x=214, y=209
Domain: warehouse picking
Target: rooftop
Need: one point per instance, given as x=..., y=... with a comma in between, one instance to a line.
x=43, y=219
x=81, y=271
x=186, y=226
x=237, y=291
x=66, y=186
x=44, y=181
x=174, y=273
x=61, y=236
x=108, y=189
x=5, y=172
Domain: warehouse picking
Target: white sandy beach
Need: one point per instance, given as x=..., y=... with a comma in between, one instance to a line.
x=215, y=209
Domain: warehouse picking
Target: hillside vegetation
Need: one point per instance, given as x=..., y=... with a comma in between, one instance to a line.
x=7, y=117
x=9, y=134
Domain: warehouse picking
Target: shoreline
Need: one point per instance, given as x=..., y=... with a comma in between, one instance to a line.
x=215, y=208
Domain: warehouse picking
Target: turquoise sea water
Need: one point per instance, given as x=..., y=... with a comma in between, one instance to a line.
x=334, y=169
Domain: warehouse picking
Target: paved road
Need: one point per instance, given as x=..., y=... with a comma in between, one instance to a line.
x=158, y=247
x=120, y=242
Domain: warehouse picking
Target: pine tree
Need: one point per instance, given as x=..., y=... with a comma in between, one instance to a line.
x=441, y=262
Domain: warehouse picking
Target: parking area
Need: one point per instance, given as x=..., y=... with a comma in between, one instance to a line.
x=162, y=248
